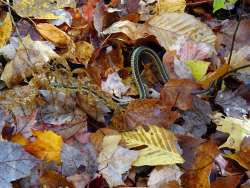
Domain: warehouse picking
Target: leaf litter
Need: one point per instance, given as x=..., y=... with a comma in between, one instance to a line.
x=70, y=110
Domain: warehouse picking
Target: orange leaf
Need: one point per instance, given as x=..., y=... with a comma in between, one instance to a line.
x=198, y=175
x=205, y=83
x=53, y=34
x=227, y=182
x=47, y=146
x=19, y=139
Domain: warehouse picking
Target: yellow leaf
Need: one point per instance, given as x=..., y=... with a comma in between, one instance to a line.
x=237, y=128
x=171, y=6
x=84, y=51
x=198, y=68
x=47, y=146
x=19, y=139
x=53, y=34
x=209, y=78
x=42, y=9
x=5, y=30
x=161, y=146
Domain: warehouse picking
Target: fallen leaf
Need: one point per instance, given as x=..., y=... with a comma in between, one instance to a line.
x=115, y=160
x=178, y=93
x=148, y=112
x=114, y=85
x=23, y=65
x=53, y=34
x=233, y=105
x=83, y=52
x=47, y=146
x=79, y=180
x=198, y=68
x=243, y=156
x=5, y=30
x=237, y=129
x=228, y=182
x=40, y=9
x=72, y=160
x=19, y=139
x=162, y=175
x=211, y=77
x=198, y=175
x=170, y=6
x=63, y=17
x=162, y=148
x=54, y=179
x=15, y=163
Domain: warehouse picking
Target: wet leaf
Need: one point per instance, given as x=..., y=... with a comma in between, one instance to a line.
x=162, y=148
x=15, y=163
x=47, y=146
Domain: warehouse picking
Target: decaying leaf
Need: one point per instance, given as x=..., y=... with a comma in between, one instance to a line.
x=163, y=175
x=5, y=30
x=34, y=55
x=15, y=163
x=237, y=128
x=47, y=146
x=53, y=34
x=162, y=148
x=115, y=160
x=42, y=9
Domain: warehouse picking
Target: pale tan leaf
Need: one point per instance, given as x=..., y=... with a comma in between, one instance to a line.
x=42, y=9
x=53, y=34
x=237, y=128
x=170, y=6
x=162, y=148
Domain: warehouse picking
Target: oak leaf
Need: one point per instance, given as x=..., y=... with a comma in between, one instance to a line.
x=161, y=146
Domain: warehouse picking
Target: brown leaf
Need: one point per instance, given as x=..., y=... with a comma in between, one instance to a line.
x=53, y=179
x=53, y=34
x=198, y=175
x=227, y=182
x=177, y=93
x=148, y=112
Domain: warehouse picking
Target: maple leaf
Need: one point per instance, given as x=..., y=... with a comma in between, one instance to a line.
x=161, y=145
x=237, y=129
x=15, y=163
x=47, y=146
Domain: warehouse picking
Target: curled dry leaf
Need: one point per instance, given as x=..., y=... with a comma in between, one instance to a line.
x=5, y=30
x=53, y=34
x=47, y=146
x=178, y=93
x=161, y=146
x=237, y=128
x=165, y=29
x=198, y=175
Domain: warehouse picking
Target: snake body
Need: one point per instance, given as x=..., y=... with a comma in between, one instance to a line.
x=135, y=64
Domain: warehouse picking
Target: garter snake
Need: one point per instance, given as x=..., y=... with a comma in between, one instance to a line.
x=135, y=65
